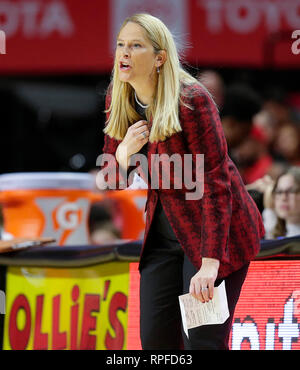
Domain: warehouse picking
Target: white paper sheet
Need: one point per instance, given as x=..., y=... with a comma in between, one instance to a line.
x=195, y=313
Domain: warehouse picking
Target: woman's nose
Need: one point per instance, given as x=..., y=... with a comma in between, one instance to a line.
x=285, y=196
x=126, y=52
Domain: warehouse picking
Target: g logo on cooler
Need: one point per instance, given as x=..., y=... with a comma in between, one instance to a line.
x=65, y=219
x=67, y=215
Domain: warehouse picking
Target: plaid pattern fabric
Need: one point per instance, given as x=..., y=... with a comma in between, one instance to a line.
x=225, y=223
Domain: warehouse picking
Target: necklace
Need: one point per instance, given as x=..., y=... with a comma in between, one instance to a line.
x=139, y=103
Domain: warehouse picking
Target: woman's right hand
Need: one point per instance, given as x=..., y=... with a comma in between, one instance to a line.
x=264, y=185
x=136, y=137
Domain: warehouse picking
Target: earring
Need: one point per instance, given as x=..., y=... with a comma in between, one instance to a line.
x=158, y=70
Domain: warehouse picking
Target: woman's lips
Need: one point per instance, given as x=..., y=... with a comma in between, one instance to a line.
x=284, y=207
x=124, y=66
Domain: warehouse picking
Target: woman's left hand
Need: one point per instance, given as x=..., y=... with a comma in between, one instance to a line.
x=202, y=283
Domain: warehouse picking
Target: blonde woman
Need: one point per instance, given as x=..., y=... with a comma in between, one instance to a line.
x=190, y=245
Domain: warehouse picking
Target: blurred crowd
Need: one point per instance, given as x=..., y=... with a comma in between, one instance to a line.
x=262, y=130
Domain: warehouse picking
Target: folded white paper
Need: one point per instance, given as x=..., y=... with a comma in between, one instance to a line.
x=195, y=313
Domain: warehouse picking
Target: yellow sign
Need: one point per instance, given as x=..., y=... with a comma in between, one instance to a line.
x=75, y=308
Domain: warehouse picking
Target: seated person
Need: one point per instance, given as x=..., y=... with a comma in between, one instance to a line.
x=101, y=225
x=281, y=202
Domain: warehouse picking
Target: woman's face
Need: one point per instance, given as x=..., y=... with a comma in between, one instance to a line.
x=287, y=142
x=135, y=55
x=287, y=199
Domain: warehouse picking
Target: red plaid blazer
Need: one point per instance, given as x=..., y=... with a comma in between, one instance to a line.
x=225, y=223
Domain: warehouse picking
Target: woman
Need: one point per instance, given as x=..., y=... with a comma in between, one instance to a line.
x=281, y=214
x=287, y=143
x=190, y=245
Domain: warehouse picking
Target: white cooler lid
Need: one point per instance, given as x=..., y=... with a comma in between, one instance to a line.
x=46, y=180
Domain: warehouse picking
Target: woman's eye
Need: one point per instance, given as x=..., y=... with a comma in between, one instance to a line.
x=121, y=44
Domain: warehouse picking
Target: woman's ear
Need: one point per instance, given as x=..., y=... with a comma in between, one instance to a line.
x=161, y=58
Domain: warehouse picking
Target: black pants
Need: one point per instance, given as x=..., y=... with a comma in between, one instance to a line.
x=165, y=274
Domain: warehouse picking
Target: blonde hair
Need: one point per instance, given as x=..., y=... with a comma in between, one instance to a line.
x=165, y=105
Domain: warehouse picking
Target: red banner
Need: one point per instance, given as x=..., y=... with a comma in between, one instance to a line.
x=55, y=36
x=73, y=36
x=254, y=33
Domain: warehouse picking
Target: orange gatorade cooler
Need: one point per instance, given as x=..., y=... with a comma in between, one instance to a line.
x=48, y=204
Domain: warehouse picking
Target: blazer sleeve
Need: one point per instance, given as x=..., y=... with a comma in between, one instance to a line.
x=204, y=134
x=111, y=176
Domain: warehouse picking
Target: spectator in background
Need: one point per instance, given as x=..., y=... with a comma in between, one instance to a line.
x=279, y=124
x=266, y=124
x=247, y=144
x=213, y=81
x=276, y=104
x=261, y=190
x=252, y=156
x=287, y=143
x=240, y=105
x=101, y=225
x=281, y=203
